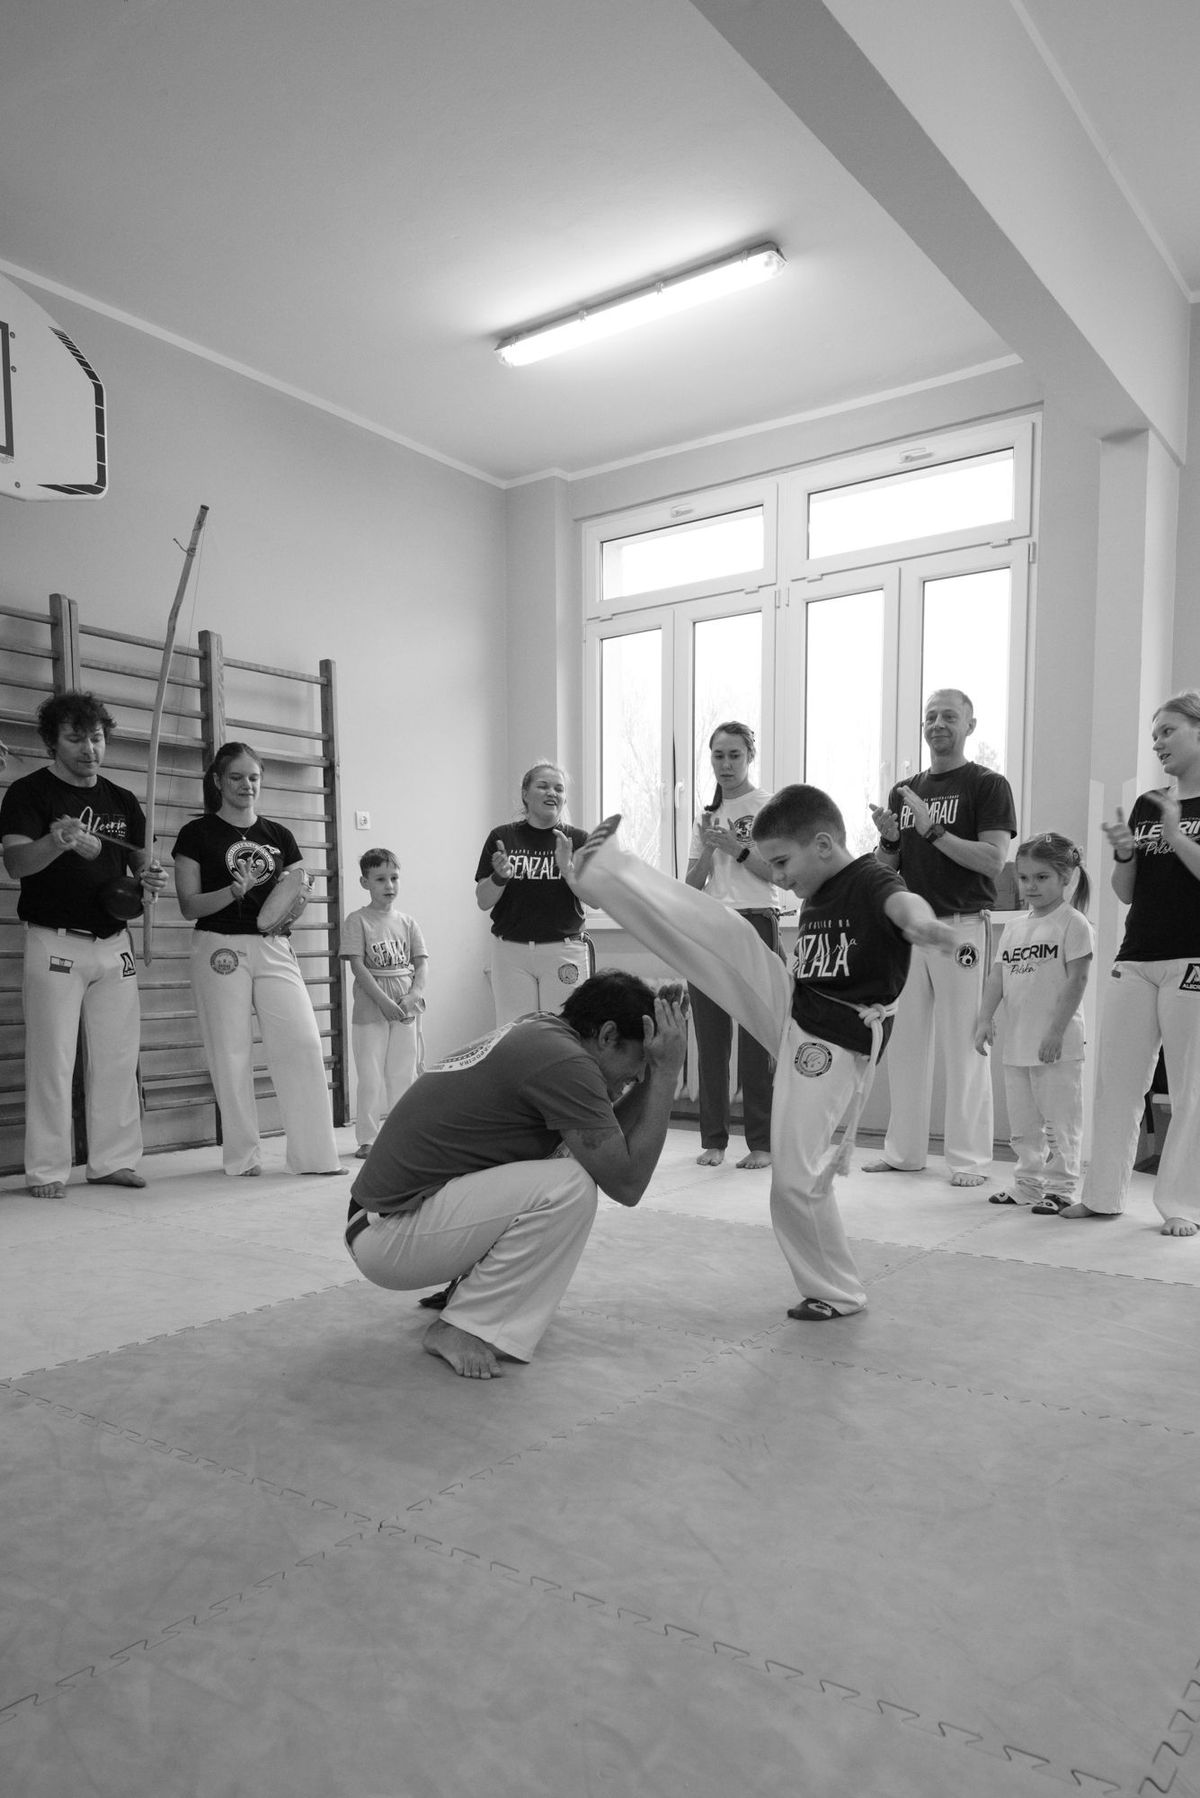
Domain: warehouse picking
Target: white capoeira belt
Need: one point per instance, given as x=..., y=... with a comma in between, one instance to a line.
x=837, y=1161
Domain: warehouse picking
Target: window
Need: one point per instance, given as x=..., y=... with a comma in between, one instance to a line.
x=900, y=570
x=872, y=653
x=682, y=555
x=843, y=723
x=704, y=545
x=658, y=689
x=726, y=684
x=631, y=738
x=925, y=502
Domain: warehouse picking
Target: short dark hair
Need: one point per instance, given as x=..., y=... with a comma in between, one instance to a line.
x=228, y=752
x=799, y=812
x=82, y=711
x=613, y=997
x=377, y=858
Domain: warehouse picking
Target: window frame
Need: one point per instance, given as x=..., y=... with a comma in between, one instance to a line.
x=677, y=620
x=900, y=569
x=682, y=509
x=902, y=701
x=944, y=448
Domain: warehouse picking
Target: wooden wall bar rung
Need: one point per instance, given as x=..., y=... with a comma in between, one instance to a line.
x=313, y=680
x=275, y=730
x=96, y=630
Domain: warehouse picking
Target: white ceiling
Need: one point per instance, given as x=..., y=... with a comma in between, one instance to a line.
x=355, y=201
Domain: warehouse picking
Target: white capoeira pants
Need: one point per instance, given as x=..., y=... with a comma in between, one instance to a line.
x=68, y=979
x=513, y=1235
x=1045, y=1120
x=815, y=1081
x=386, y=1058
x=535, y=976
x=234, y=979
x=1148, y=1004
x=940, y=1003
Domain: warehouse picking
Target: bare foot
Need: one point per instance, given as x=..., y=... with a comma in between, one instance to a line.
x=756, y=1158
x=1179, y=1226
x=710, y=1158
x=1082, y=1210
x=250, y=1173
x=881, y=1167
x=468, y=1355
x=49, y=1189
x=967, y=1179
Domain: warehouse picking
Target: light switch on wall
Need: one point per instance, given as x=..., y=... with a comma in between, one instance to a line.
x=362, y=820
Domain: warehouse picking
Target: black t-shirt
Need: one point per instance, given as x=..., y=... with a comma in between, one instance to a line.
x=67, y=894
x=968, y=801
x=849, y=949
x=1164, y=916
x=537, y=905
x=222, y=850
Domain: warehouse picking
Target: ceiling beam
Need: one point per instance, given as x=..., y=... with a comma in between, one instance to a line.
x=1118, y=361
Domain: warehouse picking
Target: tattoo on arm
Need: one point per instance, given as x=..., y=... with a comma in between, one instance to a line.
x=596, y=1139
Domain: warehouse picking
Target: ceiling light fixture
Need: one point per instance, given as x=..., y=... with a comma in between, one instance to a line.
x=675, y=294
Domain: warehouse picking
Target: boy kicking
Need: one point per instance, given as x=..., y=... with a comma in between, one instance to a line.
x=827, y=1028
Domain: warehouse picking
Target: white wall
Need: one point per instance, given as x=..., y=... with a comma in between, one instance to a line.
x=322, y=541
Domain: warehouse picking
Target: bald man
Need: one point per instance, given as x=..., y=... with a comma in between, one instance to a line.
x=947, y=832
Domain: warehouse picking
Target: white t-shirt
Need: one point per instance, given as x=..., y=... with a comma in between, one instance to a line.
x=730, y=881
x=1033, y=956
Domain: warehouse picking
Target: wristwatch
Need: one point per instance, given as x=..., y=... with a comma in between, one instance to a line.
x=934, y=832
x=744, y=856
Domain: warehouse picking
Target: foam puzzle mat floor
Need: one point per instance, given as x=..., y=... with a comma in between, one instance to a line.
x=259, y=1543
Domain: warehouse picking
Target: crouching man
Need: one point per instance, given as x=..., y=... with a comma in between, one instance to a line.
x=485, y=1173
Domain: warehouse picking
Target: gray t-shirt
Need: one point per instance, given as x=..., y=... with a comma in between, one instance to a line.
x=507, y=1097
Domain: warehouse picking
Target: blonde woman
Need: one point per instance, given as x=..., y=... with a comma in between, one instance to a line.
x=538, y=953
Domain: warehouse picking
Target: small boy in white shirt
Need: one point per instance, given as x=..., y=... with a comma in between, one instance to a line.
x=388, y=959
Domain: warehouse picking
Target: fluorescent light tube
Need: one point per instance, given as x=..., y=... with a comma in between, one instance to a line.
x=711, y=282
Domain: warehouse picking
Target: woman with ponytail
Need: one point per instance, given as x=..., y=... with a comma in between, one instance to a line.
x=723, y=861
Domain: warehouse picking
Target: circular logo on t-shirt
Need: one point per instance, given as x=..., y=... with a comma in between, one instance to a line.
x=813, y=1059
x=966, y=955
x=568, y=973
x=250, y=862
x=223, y=961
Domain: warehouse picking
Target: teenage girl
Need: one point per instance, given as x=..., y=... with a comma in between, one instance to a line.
x=225, y=865
x=1040, y=973
x=1153, y=997
x=723, y=862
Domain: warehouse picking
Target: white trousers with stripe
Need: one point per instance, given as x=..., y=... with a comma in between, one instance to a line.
x=815, y=1081
x=236, y=978
x=513, y=1234
x=940, y=1003
x=1148, y=1004
x=68, y=979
